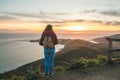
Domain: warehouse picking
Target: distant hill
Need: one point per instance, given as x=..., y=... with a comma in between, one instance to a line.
x=80, y=48
x=104, y=42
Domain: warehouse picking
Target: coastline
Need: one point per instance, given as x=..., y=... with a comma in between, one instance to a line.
x=64, y=56
x=23, y=60
x=67, y=42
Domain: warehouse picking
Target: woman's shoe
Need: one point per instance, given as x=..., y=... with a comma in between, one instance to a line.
x=46, y=75
x=51, y=74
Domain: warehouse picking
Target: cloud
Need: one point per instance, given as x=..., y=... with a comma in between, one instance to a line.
x=108, y=23
x=57, y=13
x=7, y=18
x=53, y=18
x=88, y=11
x=113, y=23
x=6, y=30
x=20, y=14
x=15, y=30
x=111, y=13
x=96, y=21
x=115, y=13
x=59, y=23
x=52, y=21
x=41, y=16
x=35, y=15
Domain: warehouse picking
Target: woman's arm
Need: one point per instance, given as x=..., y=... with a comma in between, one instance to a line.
x=41, y=39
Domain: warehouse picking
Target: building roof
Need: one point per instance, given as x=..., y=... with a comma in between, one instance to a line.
x=115, y=37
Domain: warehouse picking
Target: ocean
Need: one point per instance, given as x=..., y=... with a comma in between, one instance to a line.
x=16, y=50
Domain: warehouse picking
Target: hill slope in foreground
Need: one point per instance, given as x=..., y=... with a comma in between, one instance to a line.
x=75, y=49
x=110, y=72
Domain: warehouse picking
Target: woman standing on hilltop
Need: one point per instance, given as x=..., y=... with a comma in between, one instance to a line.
x=48, y=40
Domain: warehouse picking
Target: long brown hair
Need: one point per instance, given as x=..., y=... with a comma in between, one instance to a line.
x=48, y=27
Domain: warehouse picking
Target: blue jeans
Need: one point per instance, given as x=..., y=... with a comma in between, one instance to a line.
x=49, y=60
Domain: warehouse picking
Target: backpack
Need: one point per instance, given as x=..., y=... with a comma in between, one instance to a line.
x=47, y=42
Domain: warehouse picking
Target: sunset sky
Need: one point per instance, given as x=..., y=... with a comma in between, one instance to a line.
x=64, y=15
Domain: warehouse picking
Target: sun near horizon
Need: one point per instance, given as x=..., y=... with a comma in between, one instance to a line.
x=75, y=28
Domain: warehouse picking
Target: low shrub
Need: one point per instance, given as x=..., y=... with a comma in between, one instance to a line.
x=32, y=74
x=92, y=62
x=60, y=69
x=103, y=60
x=14, y=77
x=79, y=63
x=83, y=63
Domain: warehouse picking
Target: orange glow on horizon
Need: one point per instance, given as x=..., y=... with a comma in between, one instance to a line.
x=65, y=27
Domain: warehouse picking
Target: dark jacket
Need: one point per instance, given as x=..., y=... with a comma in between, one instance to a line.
x=48, y=33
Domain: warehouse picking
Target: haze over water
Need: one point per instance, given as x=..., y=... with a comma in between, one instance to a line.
x=16, y=50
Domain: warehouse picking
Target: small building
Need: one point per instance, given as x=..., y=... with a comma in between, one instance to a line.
x=111, y=49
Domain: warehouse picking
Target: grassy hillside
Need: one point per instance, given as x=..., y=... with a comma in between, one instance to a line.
x=64, y=64
x=96, y=72
x=110, y=72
